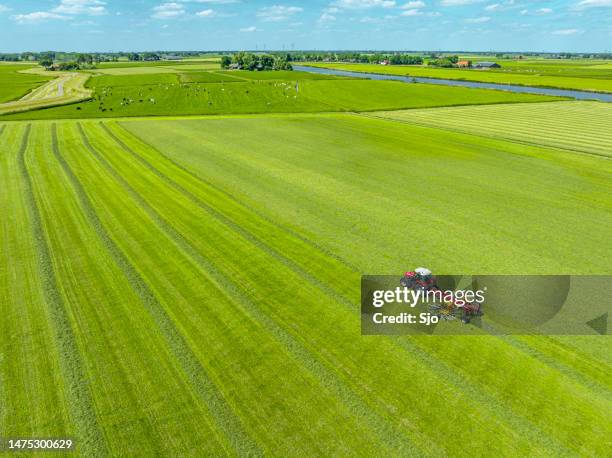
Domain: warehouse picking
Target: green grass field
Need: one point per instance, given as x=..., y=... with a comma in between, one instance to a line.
x=115, y=97
x=191, y=286
x=209, y=77
x=576, y=126
x=14, y=84
x=585, y=79
x=278, y=75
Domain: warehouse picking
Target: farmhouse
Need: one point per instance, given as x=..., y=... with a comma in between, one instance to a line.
x=464, y=63
x=486, y=65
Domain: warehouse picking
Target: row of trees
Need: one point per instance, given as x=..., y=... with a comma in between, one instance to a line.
x=63, y=66
x=444, y=62
x=256, y=62
x=356, y=57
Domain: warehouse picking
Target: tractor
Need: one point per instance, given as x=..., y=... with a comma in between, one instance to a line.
x=422, y=279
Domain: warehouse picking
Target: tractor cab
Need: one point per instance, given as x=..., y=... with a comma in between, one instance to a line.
x=423, y=274
x=419, y=278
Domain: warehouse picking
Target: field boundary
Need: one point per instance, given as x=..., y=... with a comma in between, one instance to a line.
x=201, y=383
x=91, y=440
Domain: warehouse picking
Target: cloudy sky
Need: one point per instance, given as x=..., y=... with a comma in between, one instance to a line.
x=112, y=25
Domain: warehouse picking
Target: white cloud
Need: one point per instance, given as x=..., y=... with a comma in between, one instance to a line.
x=413, y=4
x=594, y=4
x=4, y=8
x=524, y=12
x=493, y=7
x=75, y=7
x=206, y=13
x=459, y=2
x=566, y=32
x=544, y=11
x=412, y=12
x=278, y=12
x=250, y=29
x=168, y=11
x=478, y=20
x=327, y=17
x=38, y=16
x=362, y=4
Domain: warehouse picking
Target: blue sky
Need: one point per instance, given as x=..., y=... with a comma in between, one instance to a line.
x=113, y=25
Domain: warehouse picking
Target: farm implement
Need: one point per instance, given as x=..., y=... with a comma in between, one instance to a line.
x=446, y=306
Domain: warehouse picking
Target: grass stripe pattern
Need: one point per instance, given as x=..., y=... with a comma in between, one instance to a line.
x=209, y=283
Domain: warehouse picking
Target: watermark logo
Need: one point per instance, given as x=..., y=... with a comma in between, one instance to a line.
x=421, y=303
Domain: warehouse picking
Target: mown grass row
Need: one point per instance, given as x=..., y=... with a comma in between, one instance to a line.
x=577, y=126
x=222, y=415
x=33, y=394
x=157, y=162
x=80, y=399
x=134, y=393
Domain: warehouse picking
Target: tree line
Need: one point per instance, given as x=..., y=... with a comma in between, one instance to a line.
x=256, y=62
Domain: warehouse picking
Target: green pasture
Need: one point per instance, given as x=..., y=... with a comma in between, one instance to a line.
x=193, y=284
x=278, y=75
x=209, y=77
x=14, y=84
x=586, y=79
x=159, y=63
x=132, y=70
x=112, y=98
x=100, y=82
x=528, y=208
x=576, y=126
x=580, y=68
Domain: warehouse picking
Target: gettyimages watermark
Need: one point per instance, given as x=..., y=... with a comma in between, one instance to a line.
x=421, y=303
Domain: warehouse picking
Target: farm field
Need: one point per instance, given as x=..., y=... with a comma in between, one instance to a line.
x=193, y=284
x=579, y=69
x=579, y=80
x=138, y=68
x=576, y=126
x=14, y=84
x=113, y=97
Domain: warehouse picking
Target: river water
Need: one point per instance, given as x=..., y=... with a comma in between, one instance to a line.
x=579, y=95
